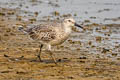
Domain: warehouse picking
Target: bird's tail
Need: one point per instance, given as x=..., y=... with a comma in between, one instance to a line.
x=21, y=29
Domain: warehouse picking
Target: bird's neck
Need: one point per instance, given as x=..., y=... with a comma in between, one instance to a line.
x=67, y=29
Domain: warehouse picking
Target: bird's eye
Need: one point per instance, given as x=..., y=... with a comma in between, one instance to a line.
x=69, y=20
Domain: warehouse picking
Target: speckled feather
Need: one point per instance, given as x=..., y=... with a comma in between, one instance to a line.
x=47, y=33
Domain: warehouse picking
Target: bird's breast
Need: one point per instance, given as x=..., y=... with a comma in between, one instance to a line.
x=60, y=38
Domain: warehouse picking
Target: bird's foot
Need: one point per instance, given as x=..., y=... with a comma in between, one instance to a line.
x=39, y=58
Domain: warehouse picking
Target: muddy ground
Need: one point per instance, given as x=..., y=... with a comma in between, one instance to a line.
x=91, y=54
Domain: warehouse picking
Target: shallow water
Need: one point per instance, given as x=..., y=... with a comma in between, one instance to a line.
x=103, y=11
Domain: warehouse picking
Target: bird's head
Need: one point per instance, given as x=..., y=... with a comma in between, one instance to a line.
x=71, y=22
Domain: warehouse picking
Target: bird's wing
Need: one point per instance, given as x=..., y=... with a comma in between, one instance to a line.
x=42, y=33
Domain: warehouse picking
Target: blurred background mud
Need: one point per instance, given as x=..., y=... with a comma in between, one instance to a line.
x=93, y=54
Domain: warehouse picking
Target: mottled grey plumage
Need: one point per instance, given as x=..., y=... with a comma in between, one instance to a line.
x=43, y=33
x=51, y=34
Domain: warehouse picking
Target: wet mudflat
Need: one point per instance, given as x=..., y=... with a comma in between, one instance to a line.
x=91, y=54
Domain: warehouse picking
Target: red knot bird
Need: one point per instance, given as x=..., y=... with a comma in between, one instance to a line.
x=51, y=34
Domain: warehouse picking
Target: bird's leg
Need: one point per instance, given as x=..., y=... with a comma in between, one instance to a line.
x=39, y=54
x=51, y=54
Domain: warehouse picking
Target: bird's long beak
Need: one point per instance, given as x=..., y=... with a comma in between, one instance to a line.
x=78, y=25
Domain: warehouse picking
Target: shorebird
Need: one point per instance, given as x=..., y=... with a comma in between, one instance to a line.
x=51, y=34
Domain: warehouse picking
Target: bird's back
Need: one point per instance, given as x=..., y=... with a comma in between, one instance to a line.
x=44, y=32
